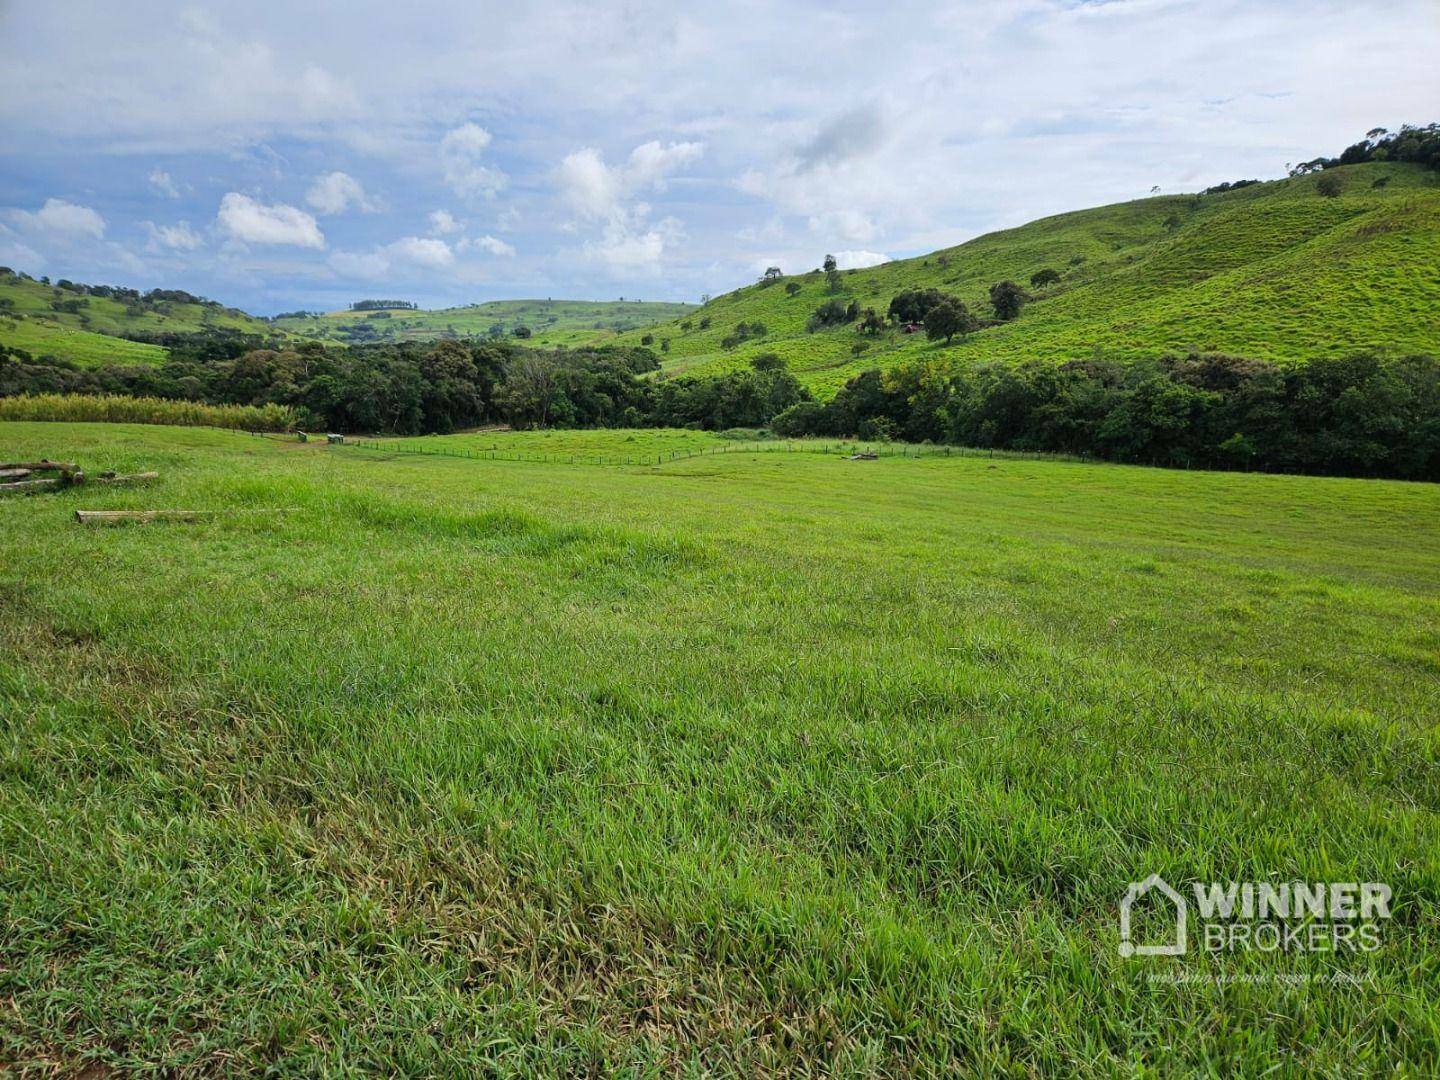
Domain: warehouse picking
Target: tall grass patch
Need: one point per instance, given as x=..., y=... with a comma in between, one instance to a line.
x=118, y=409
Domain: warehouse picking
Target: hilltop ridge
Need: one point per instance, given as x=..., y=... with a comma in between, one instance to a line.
x=1275, y=270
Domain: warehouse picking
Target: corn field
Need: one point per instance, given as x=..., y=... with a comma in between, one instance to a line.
x=118, y=409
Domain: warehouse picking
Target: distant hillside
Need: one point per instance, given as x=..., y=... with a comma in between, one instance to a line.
x=1276, y=271
x=77, y=323
x=550, y=322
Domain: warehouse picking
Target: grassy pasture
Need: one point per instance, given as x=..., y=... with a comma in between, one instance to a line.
x=747, y=763
x=1274, y=271
x=47, y=338
x=90, y=336
x=552, y=322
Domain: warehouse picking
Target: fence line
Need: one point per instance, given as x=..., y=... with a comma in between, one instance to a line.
x=880, y=450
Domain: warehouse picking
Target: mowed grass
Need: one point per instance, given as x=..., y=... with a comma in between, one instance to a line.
x=1274, y=271
x=748, y=763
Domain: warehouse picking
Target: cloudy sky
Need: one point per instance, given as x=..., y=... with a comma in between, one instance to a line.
x=303, y=155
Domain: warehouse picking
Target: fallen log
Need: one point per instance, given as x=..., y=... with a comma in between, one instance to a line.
x=44, y=465
x=117, y=517
x=14, y=474
x=29, y=487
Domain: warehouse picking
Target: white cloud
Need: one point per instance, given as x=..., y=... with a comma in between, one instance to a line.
x=61, y=218
x=20, y=256
x=421, y=251
x=596, y=190
x=624, y=249
x=336, y=192
x=160, y=180
x=413, y=252
x=844, y=224
x=857, y=260
x=494, y=245
x=178, y=237
x=256, y=223
x=460, y=160
x=368, y=267
x=443, y=223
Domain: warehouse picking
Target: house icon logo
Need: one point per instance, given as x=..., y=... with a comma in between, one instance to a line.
x=1137, y=890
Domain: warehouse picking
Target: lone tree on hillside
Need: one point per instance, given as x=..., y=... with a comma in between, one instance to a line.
x=946, y=319
x=1007, y=299
x=1047, y=276
x=772, y=274
x=832, y=273
x=1328, y=185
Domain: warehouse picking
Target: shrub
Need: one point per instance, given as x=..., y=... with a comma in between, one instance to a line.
x=801, y=419
x=1047, y=276
x=832, y=313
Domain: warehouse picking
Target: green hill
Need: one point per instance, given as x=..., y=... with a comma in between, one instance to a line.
x=89, y=329
x=551, y=322
x=1275, y=271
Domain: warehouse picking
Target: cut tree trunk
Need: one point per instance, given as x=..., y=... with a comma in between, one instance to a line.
x=12, y=475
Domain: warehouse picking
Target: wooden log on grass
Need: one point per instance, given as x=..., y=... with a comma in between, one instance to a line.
x=43, y=465
x=11, y=475
x=119, y=517
x=29, y=487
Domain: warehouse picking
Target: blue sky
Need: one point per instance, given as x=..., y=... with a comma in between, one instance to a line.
x=298, y=155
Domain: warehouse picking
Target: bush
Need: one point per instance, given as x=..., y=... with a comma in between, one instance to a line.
x=832, y=313
x=801, y=419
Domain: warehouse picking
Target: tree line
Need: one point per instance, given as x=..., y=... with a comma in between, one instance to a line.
x=1359, y=415
x=413, y=388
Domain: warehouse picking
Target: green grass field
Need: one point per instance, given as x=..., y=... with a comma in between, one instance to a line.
x=552, y=322
x=90, y=336
x=1274, y=271
x=42, y=337
x=747, y=763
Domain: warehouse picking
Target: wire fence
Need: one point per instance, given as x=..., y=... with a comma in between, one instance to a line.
x=846, y=448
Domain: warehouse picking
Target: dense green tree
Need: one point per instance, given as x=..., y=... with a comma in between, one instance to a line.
x=1007, y=298
x=912, y=305
x=947, y=319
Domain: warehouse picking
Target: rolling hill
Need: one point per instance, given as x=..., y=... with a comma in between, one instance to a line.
x=1275, y=271
x=47, y=320
x=551, y=322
